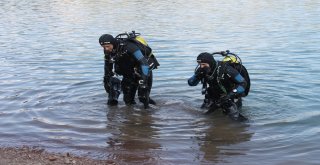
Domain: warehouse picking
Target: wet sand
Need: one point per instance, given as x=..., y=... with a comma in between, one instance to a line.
x=31, y=156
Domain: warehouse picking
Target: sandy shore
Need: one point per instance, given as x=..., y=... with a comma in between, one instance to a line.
x=29, y=156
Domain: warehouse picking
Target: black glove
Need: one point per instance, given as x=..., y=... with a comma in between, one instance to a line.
x=202, y=72
x=106, y=83
x=199, y=74
x=106, y=80
x=114, y=87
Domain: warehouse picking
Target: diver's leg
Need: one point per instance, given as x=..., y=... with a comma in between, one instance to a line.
x=211, y=106
x=238, y=102
x=141, y=91
x=232, y=110
x=206, y=102
x=129, y=91
x=150, y=80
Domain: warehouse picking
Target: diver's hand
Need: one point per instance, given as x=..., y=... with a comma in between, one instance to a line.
x=106, y=83
x=200, y=73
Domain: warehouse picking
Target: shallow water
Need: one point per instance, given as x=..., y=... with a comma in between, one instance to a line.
x=51, y=69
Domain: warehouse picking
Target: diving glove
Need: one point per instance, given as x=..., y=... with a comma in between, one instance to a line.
x=114, y=90
x=202, y=72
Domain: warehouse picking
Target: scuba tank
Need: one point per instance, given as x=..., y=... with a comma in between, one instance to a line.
x=143, y=46
x=235, y=61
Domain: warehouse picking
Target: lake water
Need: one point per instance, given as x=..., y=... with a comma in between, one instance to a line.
x=52, y=96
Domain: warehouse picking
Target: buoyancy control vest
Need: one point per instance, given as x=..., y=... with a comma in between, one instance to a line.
x=234, y=61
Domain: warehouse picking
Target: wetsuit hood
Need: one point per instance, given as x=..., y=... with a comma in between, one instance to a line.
x=107, y=39
x=206, y=58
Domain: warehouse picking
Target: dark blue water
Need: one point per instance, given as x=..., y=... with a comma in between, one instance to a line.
x=52, y=96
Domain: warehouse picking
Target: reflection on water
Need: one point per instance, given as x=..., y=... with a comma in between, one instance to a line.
x=51, y=69
x=218, y=136
x=133, y=137
x=172, y=136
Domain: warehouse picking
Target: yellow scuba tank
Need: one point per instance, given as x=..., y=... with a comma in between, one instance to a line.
x=231, y=59
x=141, y=40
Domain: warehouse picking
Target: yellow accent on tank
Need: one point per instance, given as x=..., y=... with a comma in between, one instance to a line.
x=232, y=59
x=142, y=40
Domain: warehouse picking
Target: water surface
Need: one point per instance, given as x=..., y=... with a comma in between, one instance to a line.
x=51, y=69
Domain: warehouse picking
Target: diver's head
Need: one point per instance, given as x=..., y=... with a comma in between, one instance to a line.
x=206, y=60
x=108, y=42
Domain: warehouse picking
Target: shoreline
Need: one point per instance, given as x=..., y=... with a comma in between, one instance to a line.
x=35, y=156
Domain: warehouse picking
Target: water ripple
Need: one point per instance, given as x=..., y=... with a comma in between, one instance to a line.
x=52, y=70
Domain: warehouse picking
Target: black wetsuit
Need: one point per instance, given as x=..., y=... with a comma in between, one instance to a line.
x=222, y=81
x=129, y=61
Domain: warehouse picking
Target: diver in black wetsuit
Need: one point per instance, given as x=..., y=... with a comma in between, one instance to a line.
x=226, y=85
x=134, y=61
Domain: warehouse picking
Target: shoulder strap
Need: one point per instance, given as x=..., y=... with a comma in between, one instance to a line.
x=220, y=74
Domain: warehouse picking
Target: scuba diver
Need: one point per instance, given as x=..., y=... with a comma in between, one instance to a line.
x=224, y=83
x=128, y=55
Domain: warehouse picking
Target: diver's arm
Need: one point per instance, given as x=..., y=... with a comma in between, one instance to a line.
x=193, y=81
x=108, y=65
x=133, y=49
x=143, y=62
x=236, y=77
x=199, y=74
